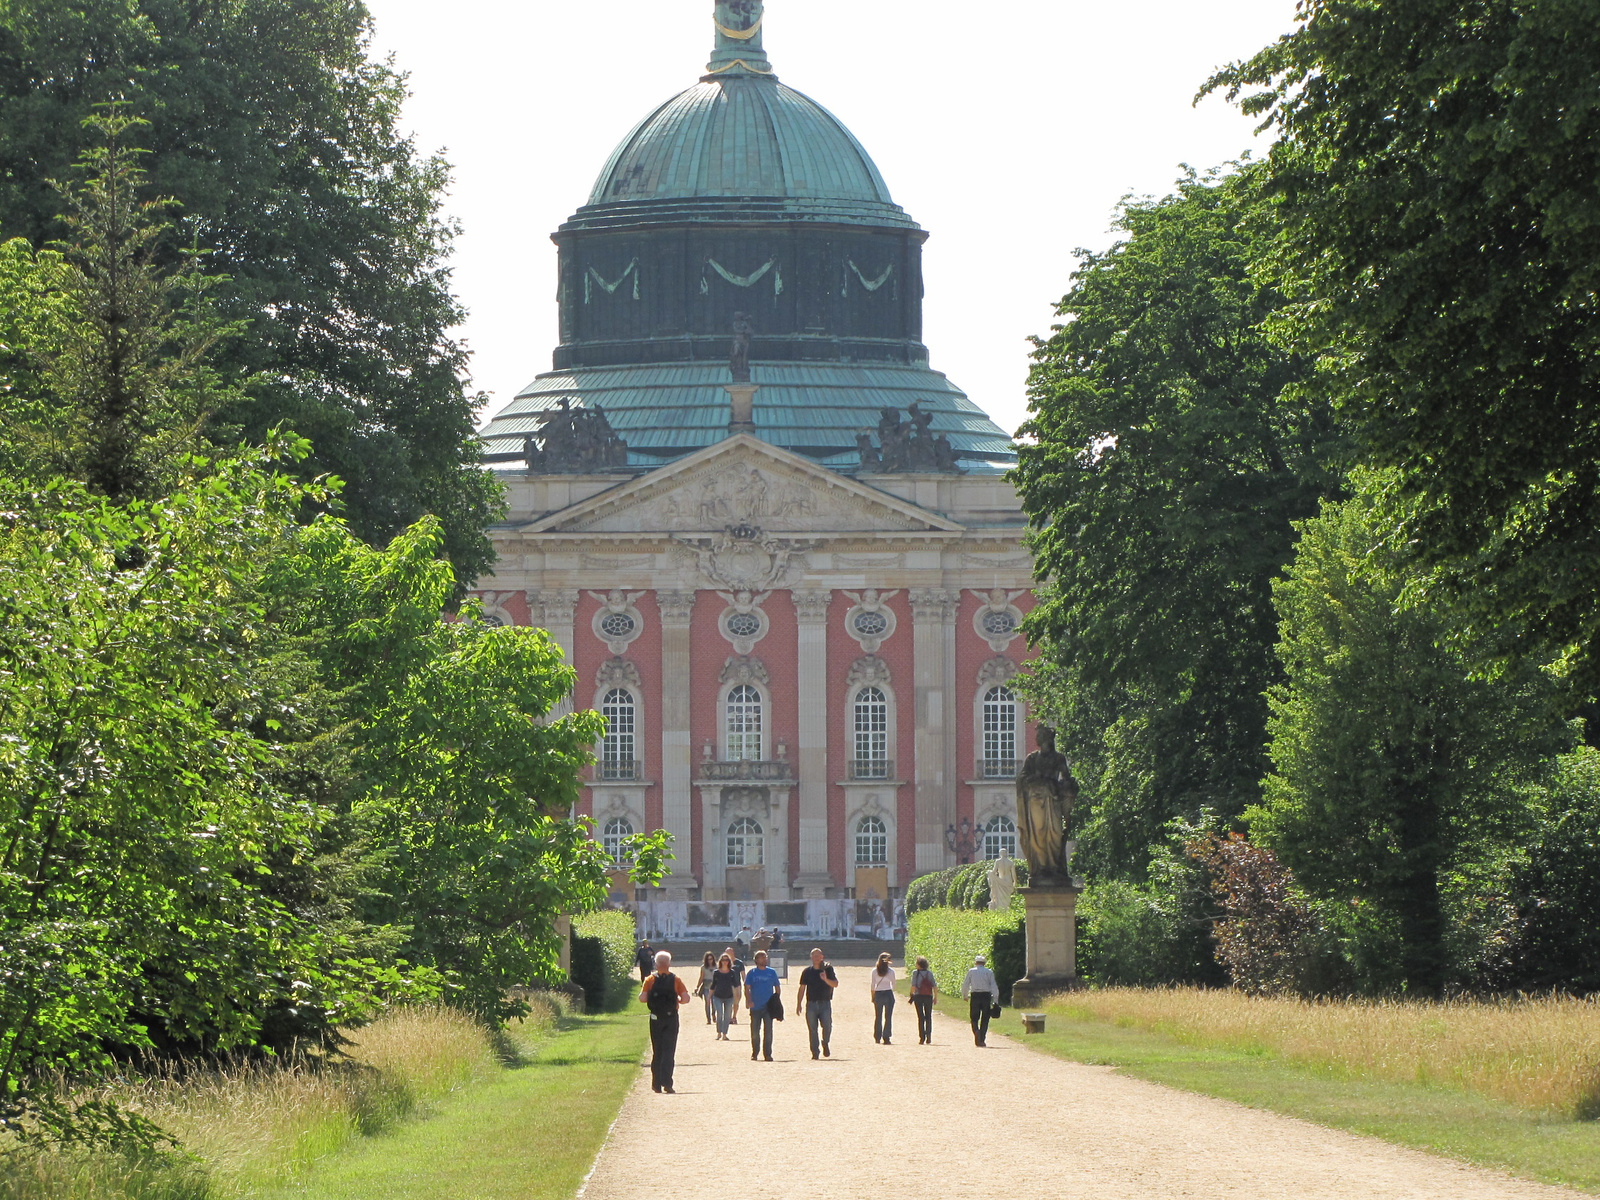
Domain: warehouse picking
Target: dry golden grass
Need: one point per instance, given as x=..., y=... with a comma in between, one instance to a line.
x=251, y=1126
x=1540, y=1053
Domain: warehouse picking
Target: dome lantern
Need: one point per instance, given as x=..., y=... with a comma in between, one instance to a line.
x=738, y=49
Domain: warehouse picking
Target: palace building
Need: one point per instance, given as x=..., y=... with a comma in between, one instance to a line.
x=778, y=548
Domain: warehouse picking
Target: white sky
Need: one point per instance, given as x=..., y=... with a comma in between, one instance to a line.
x=1009, y=131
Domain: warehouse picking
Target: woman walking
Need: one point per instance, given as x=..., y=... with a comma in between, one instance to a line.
x=724, y=990
x=923, y=987
x=882, y=978
x=708, y=968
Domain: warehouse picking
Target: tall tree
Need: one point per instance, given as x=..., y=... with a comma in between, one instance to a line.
x=279, y=140
x=1392, y=765
x=1168, y=460
x=1434, y=174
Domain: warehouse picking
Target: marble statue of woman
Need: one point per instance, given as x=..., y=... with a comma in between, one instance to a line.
x=1045, y=792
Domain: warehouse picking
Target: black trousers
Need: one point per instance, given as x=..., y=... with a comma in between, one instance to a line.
x=978, y=1010
x=924, y=1007
x=882, y=1015
x=663, y=1049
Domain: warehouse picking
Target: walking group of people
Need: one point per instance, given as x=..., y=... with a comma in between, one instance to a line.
x=724, y=981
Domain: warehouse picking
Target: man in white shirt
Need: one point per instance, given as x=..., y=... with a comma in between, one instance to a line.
x=980, y=989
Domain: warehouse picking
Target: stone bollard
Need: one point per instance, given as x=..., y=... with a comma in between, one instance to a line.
x=1032, y=1022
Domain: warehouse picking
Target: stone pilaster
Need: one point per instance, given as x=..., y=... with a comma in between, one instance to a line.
x=553, y=609
x=932, y=647
x=811, y=681
x=676, y=753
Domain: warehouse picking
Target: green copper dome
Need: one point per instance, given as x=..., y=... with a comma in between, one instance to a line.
x=740, y=136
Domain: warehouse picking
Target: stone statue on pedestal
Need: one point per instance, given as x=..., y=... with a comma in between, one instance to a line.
x=1045, y=792
x=1002, y=882
x=739, y=360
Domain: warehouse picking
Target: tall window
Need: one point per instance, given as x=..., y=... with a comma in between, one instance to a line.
x=611, y=838
x=999, y=733
x=872, y=842
x=617, y=751
x=744, y=723
x=746, y=847
x=872, y=734
x=999, y=835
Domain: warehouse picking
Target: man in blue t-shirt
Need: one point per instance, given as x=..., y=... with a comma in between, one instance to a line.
x=760, y=986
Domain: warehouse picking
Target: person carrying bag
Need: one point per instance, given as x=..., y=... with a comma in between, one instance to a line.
x=982, y=992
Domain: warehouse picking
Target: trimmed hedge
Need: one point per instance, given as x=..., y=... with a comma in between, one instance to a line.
x=950, y=938
x=957, y=887
x=603, y=964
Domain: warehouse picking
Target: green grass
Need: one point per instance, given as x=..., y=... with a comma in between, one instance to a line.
x=530, y=1132
x=1443, y=1120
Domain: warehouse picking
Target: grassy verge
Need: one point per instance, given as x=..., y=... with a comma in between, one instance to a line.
x=1448, y=1120
x=531, y=1131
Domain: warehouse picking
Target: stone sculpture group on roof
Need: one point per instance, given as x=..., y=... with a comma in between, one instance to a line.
x=905, y=446
x=575, y=442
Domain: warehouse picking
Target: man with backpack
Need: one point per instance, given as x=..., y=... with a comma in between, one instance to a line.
x=663, y=994
x=761, y=988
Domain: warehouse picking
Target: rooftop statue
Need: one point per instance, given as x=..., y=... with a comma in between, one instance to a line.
x=739, y=360
x=575, y=442
x=1045, y=793
x=906, y=446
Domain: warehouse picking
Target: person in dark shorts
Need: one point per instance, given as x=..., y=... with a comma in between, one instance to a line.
x=815, y=1000
x=923, y=987
x=663, y=993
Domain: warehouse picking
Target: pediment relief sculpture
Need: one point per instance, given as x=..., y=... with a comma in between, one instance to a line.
x=743, y=558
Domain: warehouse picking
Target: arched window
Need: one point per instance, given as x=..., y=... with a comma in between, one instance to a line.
x=611, y=838
x=871, y=735
x=872, y=842
x=999, y=733
x=1000, y=835
x=746, y=846
x=744, y=724
x=618, y=751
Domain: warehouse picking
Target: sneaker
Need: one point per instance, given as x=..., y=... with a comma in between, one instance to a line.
x=669, y=1091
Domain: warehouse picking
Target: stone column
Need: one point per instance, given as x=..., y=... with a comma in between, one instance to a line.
x=935, y=784
x=812, y=683
x=553, y=609
x=676, y=753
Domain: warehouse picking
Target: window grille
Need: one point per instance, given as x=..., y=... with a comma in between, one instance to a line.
x=616, y=625
x=746, y=846
x=611, y=838
x=617, y=751
x=744, y=724
x=999, y=732
x=872, y=842
x=1000, y=834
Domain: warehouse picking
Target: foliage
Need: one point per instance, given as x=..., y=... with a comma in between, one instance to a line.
x=1269, y=937
x=949, y=939
x=279, y=137
x=1434, y=178
x=1393, y=765
x=1171, y=458
x=1156, y=932
x=929, y=891
x=1555, y=886
x=608, y=944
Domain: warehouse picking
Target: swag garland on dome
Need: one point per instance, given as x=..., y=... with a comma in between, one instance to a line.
x=743, y=35
x=871, y=285
x=753, y=68
x=592, y=277
x=744, y=281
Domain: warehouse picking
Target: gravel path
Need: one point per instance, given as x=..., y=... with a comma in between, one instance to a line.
x=874, y=1118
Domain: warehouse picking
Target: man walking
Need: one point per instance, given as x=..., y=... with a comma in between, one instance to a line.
x=815, y=999
x=663, y=992
x=980, y=990
x=646, y=958
x=760, y=986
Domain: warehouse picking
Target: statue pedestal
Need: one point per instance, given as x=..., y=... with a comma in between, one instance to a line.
x=1052, y=942
x=742, y=400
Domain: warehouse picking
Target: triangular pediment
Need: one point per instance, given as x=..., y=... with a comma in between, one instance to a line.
x=742, y=481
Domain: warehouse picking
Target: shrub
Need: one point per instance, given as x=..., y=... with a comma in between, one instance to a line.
x=1139, y=935
x=603, y=949
x=929, y=891
x=950, y=937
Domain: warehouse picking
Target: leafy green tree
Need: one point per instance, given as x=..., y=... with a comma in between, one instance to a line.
x=1555, y=885
x=1434, y=176
x=1393, y=766
x=279, y=140
x=1168, y=460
